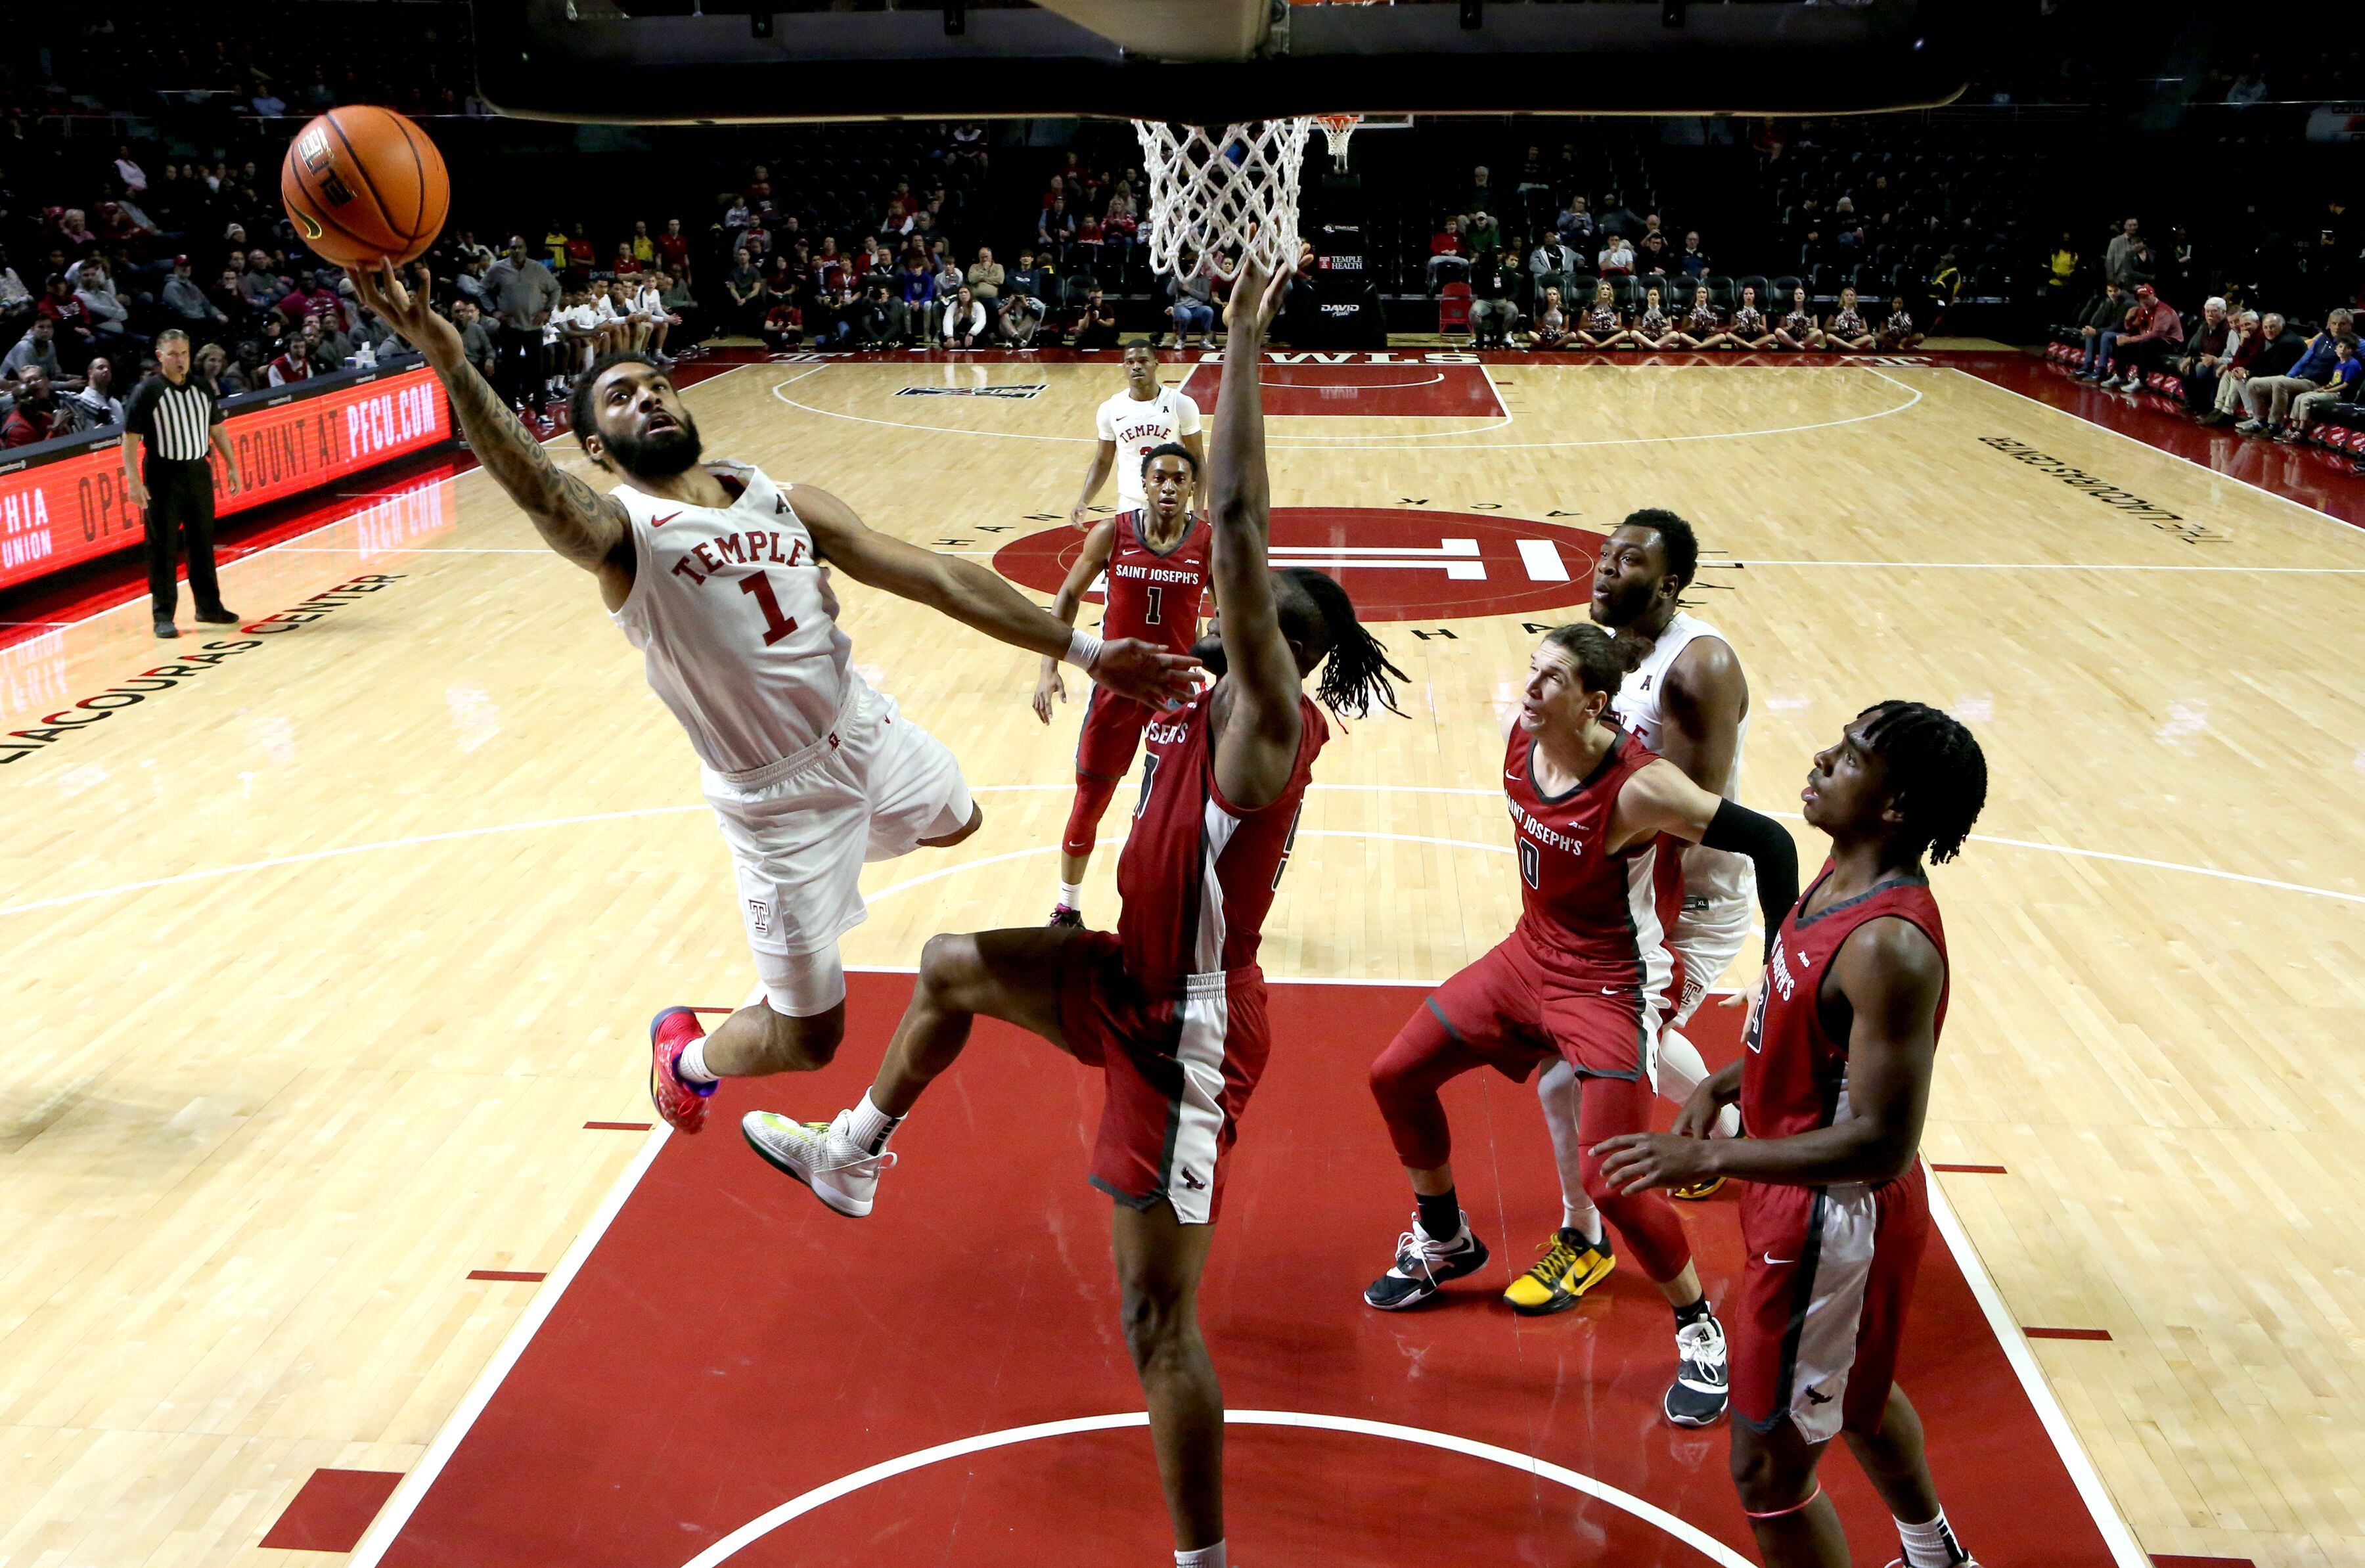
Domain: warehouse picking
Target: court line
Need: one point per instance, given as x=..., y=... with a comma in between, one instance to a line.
x=2100, y=1505
x=210, y=872
x=1384, y=441
x=2081, y=420
x=762, y=1524
x=413, y=1489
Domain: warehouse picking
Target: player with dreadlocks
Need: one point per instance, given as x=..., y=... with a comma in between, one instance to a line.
x=1171, y=1008
x=1834, y=1206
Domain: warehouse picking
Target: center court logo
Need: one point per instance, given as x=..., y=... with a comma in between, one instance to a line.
x=1019, y=391
x=1399, y=565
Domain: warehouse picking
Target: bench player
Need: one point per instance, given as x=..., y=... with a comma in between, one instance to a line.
x=1583, y=977
x=1156, y=558
x=720, y=578
x=1146, y=414
x=1833, y=1089
x=1689, y=702
x=1171, y=1008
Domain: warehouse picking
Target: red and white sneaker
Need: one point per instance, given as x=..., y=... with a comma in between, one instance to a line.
x=681, y=1102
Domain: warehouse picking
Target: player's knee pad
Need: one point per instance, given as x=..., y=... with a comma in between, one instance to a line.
x=1092, y=802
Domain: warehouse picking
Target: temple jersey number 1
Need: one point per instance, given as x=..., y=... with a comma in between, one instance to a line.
x=776, y=625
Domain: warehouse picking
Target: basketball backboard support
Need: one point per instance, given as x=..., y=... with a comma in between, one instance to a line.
x=1208, y=61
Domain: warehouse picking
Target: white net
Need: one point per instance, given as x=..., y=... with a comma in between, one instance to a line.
x=1233, y=190
x=1338, y=130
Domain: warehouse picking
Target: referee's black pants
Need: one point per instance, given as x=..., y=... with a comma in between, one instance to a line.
x=180, y=504
x=521, y=375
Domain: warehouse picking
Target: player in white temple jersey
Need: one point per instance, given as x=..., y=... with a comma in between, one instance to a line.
x=1131, y=425
x=1687, y=702
x=720, y=578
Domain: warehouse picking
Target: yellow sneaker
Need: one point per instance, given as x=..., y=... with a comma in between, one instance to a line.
x=1692, y=1192
x=1570, y=1266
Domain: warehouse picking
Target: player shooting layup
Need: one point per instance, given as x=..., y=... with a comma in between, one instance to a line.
x=1687, y=702
x=1144, y=415
x=720, y=578
x=1156, y=559
x=1173, y=1007
x=1833, y=1089
x=1583, y=977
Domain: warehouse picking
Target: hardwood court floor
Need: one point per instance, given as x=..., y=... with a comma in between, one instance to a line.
x=320, y=955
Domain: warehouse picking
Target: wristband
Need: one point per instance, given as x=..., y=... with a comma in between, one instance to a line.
x=1084, y=647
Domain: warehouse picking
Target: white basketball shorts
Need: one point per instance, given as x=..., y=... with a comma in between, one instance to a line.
x=800, y=829
x=1707, y=936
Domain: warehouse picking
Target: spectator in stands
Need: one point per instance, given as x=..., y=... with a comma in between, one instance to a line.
x=684, y=320
x=101, y=407
x=915, y=285
x=580, y=255
x=2347, y=379
x=39, y=413
x=1026, y=277
x=1096, y=324
x=883, y=321
x=1797, y=329
x=476, y=342
x=1090, y=244
x=673, y=250
x=1898, y=332
x=1022, y=318
x=1654, y=256
x=2118, y=257
x=2157, y=339
x=1552, y=258
x=1575, y=224
x=1195, y=303
x=784, y=321
x=1446, y=253
x=2104, y=315
x=1846, y=329
x=1617, y=258
x=1693, y=262
x=1481, y=196
x=1652, y=329
x=219, y=376
x=1121, y=224
x=293, y=363
x=1055, y=229
x=744, y=287
x=2268, y=397
x=187, y=303
x=1494, y=315
x=37, y=347
x=1618, y=218
x=963, y=324
x=258, y=285
x=522, y=294
x=2204, y=351
x=985, y=279
x=1481, y=234
x=626, y=265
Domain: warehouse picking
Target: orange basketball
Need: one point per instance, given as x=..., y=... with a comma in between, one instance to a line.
x=363, y=182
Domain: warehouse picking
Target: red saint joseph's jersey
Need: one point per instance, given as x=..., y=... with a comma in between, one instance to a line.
x=1591, y=916
x=1198, y=874
x=1154, y=595
x=1793, y=1075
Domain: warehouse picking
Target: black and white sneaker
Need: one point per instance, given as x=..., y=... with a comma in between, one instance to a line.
x=1424, y=1263
x=1699, y=1395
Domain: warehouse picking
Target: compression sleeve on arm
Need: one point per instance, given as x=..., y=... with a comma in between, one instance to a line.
x=1741, y=831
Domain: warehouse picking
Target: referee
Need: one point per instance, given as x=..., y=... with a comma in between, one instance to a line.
x=178, y=417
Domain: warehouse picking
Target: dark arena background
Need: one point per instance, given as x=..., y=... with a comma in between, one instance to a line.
x=336, y=1222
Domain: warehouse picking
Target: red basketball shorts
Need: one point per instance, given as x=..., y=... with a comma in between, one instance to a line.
x=1514, y=1012
x=1111, y=734
x=1180, y=1062
x=1823, y=1295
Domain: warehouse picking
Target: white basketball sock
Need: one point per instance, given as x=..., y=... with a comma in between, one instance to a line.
x=869, y=1126
x=1205, y=1557
x=1931, y=1545
x=1681, y=1070
x=1072, y=895
x=1561, y=1093
x=690, y=1066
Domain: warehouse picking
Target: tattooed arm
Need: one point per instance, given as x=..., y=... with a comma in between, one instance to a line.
x=583, y=525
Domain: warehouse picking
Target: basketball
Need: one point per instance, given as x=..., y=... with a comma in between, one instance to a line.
x=362, y=183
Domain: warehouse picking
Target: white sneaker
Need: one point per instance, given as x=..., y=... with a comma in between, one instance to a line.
x=821, y=1155
x=1699, y=1395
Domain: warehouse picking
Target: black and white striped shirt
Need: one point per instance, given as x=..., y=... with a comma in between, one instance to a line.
x=173, y=421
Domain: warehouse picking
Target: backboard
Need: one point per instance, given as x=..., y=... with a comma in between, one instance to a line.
x=1207, y=62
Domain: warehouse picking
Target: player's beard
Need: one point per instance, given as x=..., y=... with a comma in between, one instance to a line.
x=659, y=456
x=1209, y=651
x=1624, y=610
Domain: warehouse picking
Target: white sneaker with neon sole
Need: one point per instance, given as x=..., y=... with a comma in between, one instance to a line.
x=841, y=1173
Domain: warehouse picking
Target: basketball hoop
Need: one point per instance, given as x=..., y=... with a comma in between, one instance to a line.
x=1233, y=190
x=1337, y=129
